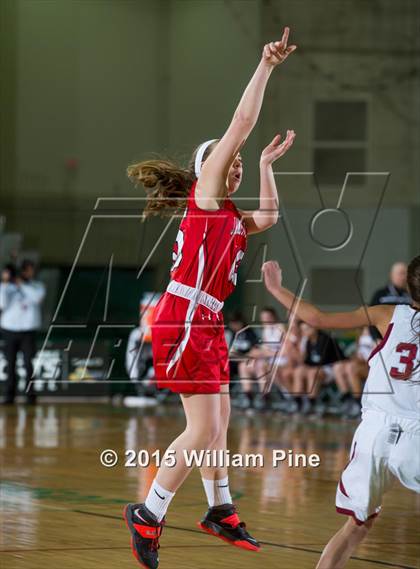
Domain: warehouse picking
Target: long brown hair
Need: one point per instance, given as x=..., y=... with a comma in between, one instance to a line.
x=413, y=279
x=413, y=283
x=167, y=184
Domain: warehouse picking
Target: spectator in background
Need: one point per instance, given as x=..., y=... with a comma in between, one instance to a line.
x=321, y=351
x=395, y=292
x=20, y=304
x=8, y=275
x=240, y=339
x=139, y=357
x=350, y=375
x=254, y=372
x=291, y=357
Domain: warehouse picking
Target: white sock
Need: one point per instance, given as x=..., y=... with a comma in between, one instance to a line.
x=217, y=491
x=158, y=500
x=209, y=490
x=222, y=492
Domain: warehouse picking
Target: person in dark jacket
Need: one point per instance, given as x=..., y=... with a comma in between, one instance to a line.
x=395, y=292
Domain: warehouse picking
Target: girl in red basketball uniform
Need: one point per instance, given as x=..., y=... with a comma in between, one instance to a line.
x=189, y=348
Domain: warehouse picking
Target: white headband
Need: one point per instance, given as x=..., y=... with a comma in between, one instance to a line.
x=199, y=156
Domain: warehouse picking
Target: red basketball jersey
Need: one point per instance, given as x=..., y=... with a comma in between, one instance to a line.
x=209, y=248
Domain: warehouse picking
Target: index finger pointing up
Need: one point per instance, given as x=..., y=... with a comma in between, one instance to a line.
x=285, y=37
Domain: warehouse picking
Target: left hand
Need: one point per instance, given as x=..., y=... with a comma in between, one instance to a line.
x=272, y=275
x=274, y=150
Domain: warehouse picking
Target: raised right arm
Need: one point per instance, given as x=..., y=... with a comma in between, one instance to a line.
x=378, y=316
x=212, y=182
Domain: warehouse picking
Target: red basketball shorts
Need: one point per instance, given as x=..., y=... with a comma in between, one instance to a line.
x=190, y=354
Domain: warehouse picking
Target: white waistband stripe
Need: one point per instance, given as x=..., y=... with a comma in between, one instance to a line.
x=192, y=306
x=195, y=294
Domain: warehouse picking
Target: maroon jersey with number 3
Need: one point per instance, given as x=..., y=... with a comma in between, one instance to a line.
x=393, y=383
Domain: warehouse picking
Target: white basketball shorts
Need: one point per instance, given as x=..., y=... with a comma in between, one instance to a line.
x=384, y=448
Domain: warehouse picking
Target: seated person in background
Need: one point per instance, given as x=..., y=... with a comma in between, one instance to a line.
x=350, y=375
x=255, y=370
x=321, y=352
x=291, y=357
x=240, y=339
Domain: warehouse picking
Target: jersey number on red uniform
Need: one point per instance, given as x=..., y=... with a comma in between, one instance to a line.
x=177, y=251
x=233, y=275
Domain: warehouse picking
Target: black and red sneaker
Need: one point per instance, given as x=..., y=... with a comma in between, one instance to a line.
x=223, y=521
x=145, y=532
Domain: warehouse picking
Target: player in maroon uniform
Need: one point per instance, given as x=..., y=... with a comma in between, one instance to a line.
x=189, y=349
x=386, y=444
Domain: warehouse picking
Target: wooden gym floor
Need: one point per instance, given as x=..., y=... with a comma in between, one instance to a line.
x=62, y=509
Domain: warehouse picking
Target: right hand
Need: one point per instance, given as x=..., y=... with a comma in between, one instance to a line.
x=276, y=52
x=272, y=275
